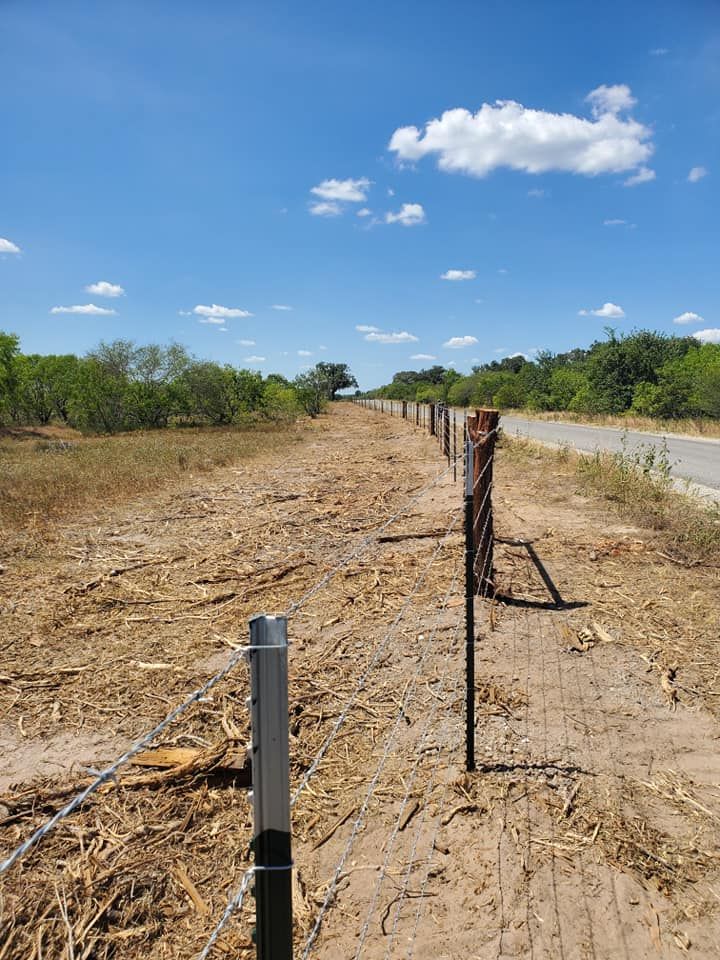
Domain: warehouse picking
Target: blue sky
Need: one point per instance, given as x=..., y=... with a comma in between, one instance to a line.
x=211, y=160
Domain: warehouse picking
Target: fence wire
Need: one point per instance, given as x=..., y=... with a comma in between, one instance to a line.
x=409, y=690
x=110, y=772
x=390, y=843
x=342, y=717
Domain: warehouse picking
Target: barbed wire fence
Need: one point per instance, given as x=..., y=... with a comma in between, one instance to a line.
x=472, y=445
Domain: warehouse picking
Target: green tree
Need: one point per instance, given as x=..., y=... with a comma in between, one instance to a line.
x=311, y=389
x=337, y=376
x=9, y=377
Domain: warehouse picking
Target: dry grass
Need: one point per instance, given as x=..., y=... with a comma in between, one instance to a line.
x=50, y=473
x=642, y=493
x=145, y=868
x=693, y=427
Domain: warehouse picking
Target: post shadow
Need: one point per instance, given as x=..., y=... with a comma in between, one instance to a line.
x=556, y=603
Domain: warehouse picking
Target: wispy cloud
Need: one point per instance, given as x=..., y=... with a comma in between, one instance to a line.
x=536, y=192
x=86, y=309
x=7, y=246
x=688, y=317
x=304, y=353
x=326, y=208
x=103, y=288
x=615, y=222
x=609, y=311
x=281, y=306
x=216, y=312
x=423, y=356
x=366, y=328
x=246, y=343
x=364, y=212
x=254, y=359
x=458, y=275
x=659, y=51
x=409, y=215
x=458, y=343
x=507, y=134
x=345, y=191
x=644, y=175
x=697, y=173
x=402, y=337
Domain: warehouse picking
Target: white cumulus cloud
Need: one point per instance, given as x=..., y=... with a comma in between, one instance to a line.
x=216, y=312
x=711, y=335
x=610, y=311
x=458, y=275
x=7, y=246
x=507, y=134
x=409, y=215
x=697, y=173
x=87, y=309
x=457, y=343
x=423, y=356
x=644, y=175
x=613, y=100
x=402, y=337
x=103, y=288
x=325, y=209
x=345, y=191
x=688, y=317
x=364, y=212
x=366, y=328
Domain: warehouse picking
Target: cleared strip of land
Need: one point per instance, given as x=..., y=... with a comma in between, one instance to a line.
x=591, y=828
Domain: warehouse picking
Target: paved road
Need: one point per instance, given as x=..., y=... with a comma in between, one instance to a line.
x=695, y=460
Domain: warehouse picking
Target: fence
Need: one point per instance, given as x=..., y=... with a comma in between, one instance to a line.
x=463, y=438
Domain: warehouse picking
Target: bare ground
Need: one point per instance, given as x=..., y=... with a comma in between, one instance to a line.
x=590, y=828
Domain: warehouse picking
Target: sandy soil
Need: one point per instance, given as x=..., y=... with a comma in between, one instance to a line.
x=590, y=828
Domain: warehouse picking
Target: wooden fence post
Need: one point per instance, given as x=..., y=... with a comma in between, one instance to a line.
x=482, y=431
x=431, y=415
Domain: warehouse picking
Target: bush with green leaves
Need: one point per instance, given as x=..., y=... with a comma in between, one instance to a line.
x=120, y=386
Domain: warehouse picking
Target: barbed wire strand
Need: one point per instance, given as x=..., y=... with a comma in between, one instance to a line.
x=233, y=905
x=409, y=691
x=390, y=844
x=342, y=716
x=109, y=772
x=360, y=548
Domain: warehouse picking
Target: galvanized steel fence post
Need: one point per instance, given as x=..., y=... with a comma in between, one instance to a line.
x=271, y=787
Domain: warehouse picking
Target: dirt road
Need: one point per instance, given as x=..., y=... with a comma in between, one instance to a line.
x=590, y=828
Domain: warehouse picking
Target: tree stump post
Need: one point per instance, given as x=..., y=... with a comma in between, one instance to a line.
x=482, y=431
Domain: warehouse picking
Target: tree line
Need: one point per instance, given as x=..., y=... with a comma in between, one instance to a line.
x=646, y=373
x=121, y=386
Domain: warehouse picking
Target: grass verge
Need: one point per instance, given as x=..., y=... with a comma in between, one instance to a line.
x=639, y=485
x=48, y=474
